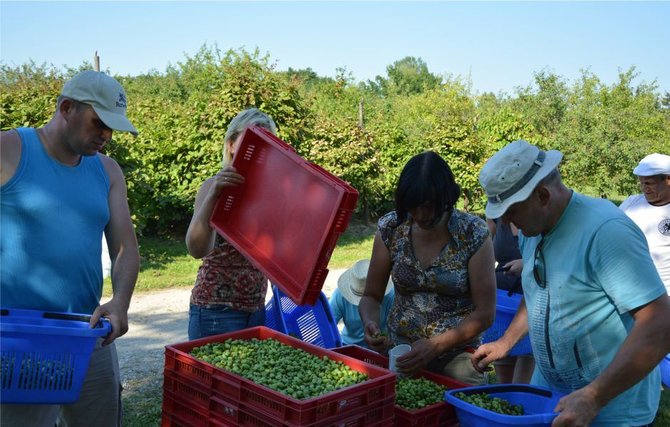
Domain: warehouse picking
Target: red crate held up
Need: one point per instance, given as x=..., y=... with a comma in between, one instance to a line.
x=287, y=216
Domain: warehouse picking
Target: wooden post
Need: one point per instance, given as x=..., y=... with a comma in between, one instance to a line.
x=96, y=61
x=364, y=199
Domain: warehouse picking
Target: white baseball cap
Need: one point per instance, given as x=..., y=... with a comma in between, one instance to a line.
x=104, y=94
x=653, y=164
x=511, y=174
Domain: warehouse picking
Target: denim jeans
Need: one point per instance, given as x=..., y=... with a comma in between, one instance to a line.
x=203, y=322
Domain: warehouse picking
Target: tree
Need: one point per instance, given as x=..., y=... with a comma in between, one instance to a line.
x=407, y=76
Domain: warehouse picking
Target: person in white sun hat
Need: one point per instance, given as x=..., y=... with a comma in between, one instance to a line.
x=344, y=303
x=594, y=305
x=651, y=210
x=58, y=196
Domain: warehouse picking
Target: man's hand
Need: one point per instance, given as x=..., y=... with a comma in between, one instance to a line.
x=576, y=409
x=117, y=314
x=488, y=353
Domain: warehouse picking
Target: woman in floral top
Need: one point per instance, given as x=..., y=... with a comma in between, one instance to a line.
x=229, y=292
x=442, y=265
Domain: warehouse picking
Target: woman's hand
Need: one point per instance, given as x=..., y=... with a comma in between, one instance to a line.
x=227, y=177
x=422, y=352
x=375, y=339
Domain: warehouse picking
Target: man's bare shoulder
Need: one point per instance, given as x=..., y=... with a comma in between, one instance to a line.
x=10, y=154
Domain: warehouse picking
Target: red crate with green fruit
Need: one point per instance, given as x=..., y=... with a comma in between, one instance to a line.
x=372, y=388
x=436, y=414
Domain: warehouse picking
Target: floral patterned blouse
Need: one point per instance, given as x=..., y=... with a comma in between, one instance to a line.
x=436, y=299
x=227, y=278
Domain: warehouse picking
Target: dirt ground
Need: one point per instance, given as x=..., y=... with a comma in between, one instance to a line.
x=157, y=319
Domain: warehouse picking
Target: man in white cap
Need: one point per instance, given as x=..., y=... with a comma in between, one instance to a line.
x=594, y=305
x=651, y=210
x=58, y=195
x=345, y=299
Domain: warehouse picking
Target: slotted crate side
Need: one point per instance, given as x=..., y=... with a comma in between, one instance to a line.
x=506, y=307
x=44, y=356
x=314, y=324
x=231, y=413
x=439, y=414
x=340, y=403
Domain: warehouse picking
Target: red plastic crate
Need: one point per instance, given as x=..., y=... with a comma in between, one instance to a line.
x=188, y=403
x=439, y=414
x=286, y=217
x=258, y=399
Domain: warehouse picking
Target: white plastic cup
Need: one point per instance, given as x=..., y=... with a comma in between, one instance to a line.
x=396, y=352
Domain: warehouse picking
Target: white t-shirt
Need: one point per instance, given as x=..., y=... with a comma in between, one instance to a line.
x=654, y=221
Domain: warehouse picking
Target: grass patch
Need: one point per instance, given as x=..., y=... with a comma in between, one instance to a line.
x=165, y=262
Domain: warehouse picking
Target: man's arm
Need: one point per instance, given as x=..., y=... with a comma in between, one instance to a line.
x=646, y=345
x=123, y=252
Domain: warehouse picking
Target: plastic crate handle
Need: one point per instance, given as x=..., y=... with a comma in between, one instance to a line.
x=102, y=323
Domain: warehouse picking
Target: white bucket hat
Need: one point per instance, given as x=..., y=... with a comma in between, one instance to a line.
x=653, y=164
x=351, y=283
x=104, y=94
x=511, y=174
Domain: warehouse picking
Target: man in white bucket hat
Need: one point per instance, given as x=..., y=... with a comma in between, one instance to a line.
x=345, y=298
x=595, y=307
x=651, y=210
x=58, y=195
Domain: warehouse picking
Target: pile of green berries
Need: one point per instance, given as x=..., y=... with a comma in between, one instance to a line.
x=288, y=370
x=495, y=404
x=416, y=393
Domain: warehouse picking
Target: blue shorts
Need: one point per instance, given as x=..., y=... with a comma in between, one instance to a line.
x=204, y=322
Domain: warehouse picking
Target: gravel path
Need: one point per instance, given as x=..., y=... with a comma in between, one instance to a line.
x=157, y=319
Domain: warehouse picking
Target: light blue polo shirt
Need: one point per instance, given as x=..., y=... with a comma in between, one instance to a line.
x=598, y=268
x=352, y=332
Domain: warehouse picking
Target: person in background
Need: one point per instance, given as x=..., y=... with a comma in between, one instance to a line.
x=651, y=210
x=594, y=305
x=229, y=292
x=345, y=299
x=511, y=369
x=58, y=196
x=441, y=262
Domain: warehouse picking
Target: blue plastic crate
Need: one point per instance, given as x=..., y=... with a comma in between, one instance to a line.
x=506, y=307
x=44, y=356
x=310, y=323
x=665, y=371
x=538, y=404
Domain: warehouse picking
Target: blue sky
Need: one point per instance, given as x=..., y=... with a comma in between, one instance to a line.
x=495, y=45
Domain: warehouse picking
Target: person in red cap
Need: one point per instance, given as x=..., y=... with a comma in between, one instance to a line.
x=58, y=196
x=651, y=210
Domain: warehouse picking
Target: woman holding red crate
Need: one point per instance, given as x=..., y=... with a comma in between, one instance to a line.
x=229, y=292
x=442, y=266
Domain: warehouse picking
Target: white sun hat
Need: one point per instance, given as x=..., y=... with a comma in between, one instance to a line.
x=511, y=174
x=351, y=283
x=653, y=164
x=104, y=94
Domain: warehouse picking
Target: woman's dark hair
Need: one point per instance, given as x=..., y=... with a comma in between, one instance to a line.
x=426, y=179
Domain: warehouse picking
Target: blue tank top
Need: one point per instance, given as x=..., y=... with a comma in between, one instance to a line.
x=53, y=218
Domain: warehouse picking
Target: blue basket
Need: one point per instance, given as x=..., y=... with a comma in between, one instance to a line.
x=538, y=405
x=44, y=356
x=506, y=307
x=310, y=323
x=665, y=370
